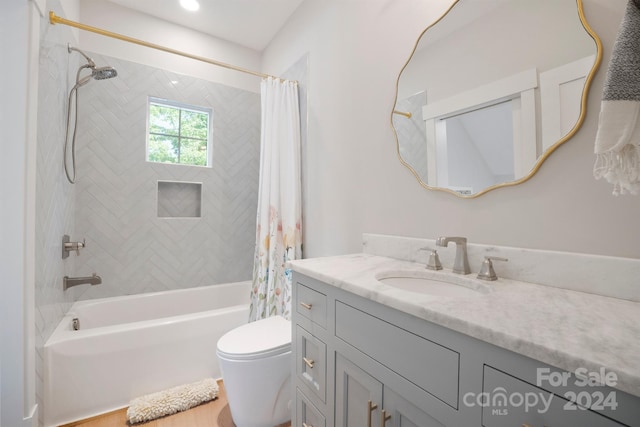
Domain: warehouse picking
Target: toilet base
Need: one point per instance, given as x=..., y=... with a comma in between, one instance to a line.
x=259, y=394
x=225, y=419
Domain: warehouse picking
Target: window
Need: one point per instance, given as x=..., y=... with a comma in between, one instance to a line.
x=178, y=133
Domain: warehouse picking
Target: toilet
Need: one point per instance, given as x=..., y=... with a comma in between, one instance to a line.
x=255, y=360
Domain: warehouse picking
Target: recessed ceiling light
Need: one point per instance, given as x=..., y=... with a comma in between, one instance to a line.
x=190, y=5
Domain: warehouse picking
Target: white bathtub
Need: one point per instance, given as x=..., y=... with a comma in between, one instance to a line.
x=134, y=345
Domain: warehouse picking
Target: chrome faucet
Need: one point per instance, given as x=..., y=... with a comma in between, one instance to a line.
x=68, y=282
x=461, y=263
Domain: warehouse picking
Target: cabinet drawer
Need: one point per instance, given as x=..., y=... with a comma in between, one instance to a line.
x=513, y=402
x=307, y=414
x=430, y=366
x=311, y=363
x=312, y=305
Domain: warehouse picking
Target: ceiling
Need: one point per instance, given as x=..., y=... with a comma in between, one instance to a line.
x=249, y=23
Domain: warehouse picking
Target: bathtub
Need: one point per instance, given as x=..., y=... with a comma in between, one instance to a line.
x=129, y=346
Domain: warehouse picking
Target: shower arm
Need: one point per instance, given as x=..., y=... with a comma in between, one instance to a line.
x=90, y=62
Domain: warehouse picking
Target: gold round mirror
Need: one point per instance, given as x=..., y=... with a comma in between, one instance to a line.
x=491, y=89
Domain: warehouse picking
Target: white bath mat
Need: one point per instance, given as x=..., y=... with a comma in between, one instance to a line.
x=167, y=402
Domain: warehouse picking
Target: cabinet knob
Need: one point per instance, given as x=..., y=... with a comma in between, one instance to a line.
x=305, y=305
x=306, y=425
x=309, y=362
x=371, y=406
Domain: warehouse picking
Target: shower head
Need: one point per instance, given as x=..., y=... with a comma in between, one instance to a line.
x=103, y=73
x=100, y=73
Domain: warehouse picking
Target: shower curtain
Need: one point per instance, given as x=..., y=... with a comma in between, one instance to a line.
x=278, y=230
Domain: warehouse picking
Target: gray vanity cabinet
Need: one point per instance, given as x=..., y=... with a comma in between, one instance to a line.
x=362, y=400
x=553, y=411
x=358, y=363
x=306, y=414
x=313, y=387
x=358, y=395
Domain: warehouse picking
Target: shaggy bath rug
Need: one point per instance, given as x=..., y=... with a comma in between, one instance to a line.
x=167, y=402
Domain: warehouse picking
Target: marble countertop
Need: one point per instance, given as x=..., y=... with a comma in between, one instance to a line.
x=563, y=328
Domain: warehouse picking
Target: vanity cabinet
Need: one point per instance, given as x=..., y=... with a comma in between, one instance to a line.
x=362, y=400
x=359, y=363
x=549, y=410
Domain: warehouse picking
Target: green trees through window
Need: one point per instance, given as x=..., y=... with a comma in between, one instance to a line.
x=178, y=133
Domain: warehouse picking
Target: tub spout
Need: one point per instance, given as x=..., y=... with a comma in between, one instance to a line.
x=74, y=281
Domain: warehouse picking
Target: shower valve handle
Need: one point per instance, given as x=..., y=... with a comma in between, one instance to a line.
x=79, y=245
x=68, y=246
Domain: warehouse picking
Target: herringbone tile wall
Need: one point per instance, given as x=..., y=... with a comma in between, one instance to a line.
x=412, y=133
x=128, y=245
x=179, y=199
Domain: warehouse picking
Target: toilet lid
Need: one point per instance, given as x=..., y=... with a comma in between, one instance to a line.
x=262, y=338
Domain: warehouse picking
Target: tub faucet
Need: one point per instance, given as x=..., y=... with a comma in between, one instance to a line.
x=461, y=263
x=68, y=282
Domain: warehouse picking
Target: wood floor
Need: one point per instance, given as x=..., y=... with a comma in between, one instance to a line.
x=211, y=414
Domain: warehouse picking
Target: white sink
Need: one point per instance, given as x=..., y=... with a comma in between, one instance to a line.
x=434, y=283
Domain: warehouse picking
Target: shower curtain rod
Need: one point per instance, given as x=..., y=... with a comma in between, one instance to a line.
x=54, y=19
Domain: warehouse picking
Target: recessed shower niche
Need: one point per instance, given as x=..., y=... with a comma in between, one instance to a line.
x=179, y=199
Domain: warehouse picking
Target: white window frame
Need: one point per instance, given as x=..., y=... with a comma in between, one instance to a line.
x=187, y=107
x=560, y=111
x=518, y=88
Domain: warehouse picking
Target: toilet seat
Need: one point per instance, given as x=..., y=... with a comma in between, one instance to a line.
x=260, y=339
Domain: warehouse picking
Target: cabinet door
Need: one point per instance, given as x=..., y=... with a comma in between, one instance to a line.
x=399, y=412
x=358, y=396
x=307, y=415
x=513, y=402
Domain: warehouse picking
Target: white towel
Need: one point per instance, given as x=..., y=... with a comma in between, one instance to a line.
x=617, y=145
